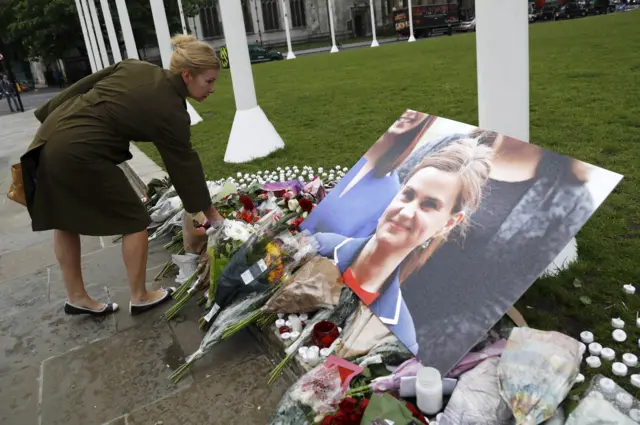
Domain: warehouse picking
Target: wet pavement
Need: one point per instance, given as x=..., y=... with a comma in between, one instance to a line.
x=66, y=370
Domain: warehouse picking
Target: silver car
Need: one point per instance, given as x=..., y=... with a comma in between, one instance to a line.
x=467, y=26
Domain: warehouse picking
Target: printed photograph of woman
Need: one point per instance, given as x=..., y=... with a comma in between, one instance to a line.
x=372, y=181
x=440, y=194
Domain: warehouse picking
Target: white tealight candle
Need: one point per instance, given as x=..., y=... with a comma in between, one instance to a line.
x=638, y=322
x=607, y=385
x=619, y=369
x=617, y=323
x=586, y=337
x=608, y=354
x=619, y=335
x=631, y=360
x=635, y=380
x=579, y=379
x=325, y=352
x=594, y=362
x=280, y=315
x=583, y=348
x=303, y=316
x=624, y=400
x=634, y=414
x=595, y=349
x=280, y=323
x=629, y=289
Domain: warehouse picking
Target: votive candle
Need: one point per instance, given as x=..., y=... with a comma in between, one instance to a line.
x=619, y=335
x=617, y=323
x=608, y=354
x=586, y=337
x=631, y=360
x=635, y=380
x=607, y=385
x=629, y=289
x=624, y=400
x=579, y=379
x=595, y=349
x=619, y=369
x=594, y=362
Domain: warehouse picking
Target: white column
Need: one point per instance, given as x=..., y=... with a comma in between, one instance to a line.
x=184, y=25
x=411, y=36
x=252, y=134
x=85, y=35
x=127, y=31
x=113, y=38
x=98, y=29
x=92, y=35
x=374, y=42
x=334, y=48
x=502, y=49
x=290, y=54
x=164, y=45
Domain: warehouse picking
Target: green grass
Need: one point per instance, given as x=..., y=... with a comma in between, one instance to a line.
x=326, y=42
x=585, y=102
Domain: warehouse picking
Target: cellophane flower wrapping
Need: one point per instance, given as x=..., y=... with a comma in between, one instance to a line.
x=477, y=399
x=536, y=371
x=600, y=405
x=222, y=245
x=320, y=389
x=314, y=286
x=362, y=333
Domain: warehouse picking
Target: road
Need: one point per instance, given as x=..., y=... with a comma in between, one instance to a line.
x=30, y=100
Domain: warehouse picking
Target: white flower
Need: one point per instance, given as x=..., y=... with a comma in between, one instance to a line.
x=304, y=173
x=279, y=168
x=338, y=167
x=239, y=174
x=287, y=168
x=345, y=169
x=324, y=174
x=320, y=169
x=241, y=181
x=305, y=214
x=244, y=186
x=259, y=173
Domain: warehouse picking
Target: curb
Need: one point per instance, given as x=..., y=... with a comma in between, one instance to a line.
x=140, y=170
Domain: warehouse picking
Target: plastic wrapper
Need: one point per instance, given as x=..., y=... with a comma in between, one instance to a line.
x=536, y=371
x=320, y=389
x=477, y=400
x=362, y=333
x=187, y=265
x=391, y=382
x=315, y=286
x=260, y=263
x=605, y=402
x=165, y=209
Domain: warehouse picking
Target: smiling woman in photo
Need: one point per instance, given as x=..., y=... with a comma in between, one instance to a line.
x=373, y=181
x=440, y=194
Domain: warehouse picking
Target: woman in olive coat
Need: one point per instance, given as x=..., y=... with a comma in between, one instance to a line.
x=71, y=176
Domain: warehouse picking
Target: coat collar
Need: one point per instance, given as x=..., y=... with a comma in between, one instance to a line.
x=387, y=306
x=178, y=83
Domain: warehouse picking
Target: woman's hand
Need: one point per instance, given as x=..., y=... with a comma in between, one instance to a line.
x=213, y=215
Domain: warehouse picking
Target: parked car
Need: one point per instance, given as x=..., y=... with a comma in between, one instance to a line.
x=257, y=54
x=467, y=26
x=597, y=7
x=571, y=10
x=547, y=13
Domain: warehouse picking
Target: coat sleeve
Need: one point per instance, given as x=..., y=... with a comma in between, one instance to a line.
x=173, y=141
x=80, y=87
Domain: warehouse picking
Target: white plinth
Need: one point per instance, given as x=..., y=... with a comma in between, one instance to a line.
x=567, y=256
x=334, y=49
x=290, y=55
x=193, y=114
x=252, y=136
x=375, y=43
x=412, y=38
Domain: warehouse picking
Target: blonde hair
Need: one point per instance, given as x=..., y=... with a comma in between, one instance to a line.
x=193, y=55
x=471, y=161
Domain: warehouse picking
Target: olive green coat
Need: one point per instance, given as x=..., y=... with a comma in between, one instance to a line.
x=72, y=181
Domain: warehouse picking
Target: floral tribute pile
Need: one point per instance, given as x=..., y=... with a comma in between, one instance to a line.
x=257, y=268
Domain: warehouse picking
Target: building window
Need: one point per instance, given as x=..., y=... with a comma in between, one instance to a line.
x=210, y=19
x=270, y=15
x=298, y=17
x=248, y=19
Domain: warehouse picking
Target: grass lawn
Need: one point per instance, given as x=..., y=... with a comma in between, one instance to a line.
x=585, y=102
x=326, y=42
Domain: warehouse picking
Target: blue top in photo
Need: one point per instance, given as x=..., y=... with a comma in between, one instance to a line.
x=390, y=306
x=356, y=214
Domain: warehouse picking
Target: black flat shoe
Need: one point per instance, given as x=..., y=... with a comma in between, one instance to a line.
x=135, y=309
x=75, y=310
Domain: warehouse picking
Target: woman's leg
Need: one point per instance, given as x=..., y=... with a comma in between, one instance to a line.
x=135, y=248
x=66, y=246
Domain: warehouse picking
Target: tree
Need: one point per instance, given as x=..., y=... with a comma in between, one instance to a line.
x=46, y=28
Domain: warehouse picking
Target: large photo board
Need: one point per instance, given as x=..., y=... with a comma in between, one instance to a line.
x=441, y=227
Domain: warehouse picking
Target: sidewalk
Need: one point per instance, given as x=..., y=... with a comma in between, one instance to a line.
x=65, y=370
x=342, y=47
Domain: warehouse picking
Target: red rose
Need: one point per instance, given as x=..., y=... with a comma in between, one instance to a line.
x=305, y=204
x=415, y=412
x=349, y=403
x=247, y=203
x=328, y=420
x=363, y=404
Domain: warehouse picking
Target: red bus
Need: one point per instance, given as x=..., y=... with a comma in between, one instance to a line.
x=426, y=19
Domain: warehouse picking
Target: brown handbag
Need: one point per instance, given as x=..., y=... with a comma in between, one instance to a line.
x=16, y=190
